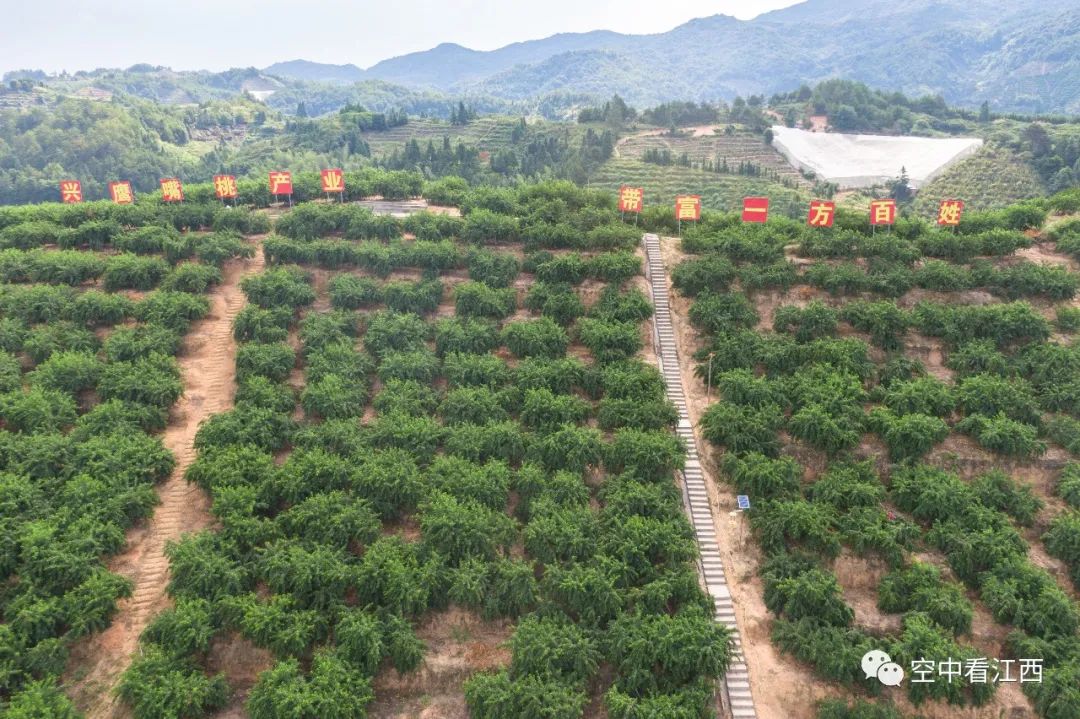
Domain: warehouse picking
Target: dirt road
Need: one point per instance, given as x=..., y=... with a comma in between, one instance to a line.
x=207, y=364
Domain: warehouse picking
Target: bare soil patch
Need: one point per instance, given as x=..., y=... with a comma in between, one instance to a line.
x=459, y=644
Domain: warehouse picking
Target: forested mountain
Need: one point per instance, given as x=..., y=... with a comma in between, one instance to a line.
x=1020, y=56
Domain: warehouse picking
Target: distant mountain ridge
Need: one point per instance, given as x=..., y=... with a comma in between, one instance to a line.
x=1020, y=56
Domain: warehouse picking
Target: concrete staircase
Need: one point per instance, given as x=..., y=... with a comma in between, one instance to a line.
x=736, y=696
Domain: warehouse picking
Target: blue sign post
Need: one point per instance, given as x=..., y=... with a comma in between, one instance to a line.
x=744, y=502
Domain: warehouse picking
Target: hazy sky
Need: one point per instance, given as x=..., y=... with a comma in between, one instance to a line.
x=194, y=34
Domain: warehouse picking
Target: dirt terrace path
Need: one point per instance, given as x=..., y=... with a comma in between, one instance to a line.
x=207, y=365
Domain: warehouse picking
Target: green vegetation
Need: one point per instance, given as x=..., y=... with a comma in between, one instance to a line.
x=79, y=418
x=800, y=412
x=414, y=418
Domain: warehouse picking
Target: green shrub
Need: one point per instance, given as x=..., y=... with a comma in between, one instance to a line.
x=37, y=410
x=70, y=372
x=1068, y=487
x=334, y=397
x=1062, y=540
x=716, y=313
x=495, y=269
x=496, y=696
x=535, y=338
x=256, y=324
x=476, y=299
x=157, y=685
x=350, y=292
x=796, y=590
x=835, y=653
x=909, y=436
x=999, y=491
x=807, y=323
x=45, y=340
x=393, y=331
x=924, y=395
x=615, y=267
x=741, y=428
x=245, y=424
x=406, y=396
x=416, y=297
x=609, y=341
x=781, y=523
x=182, y=630
x=662, y=653
x=96, y=308
x=127, y=344
x=128, y=271
x=335, y=689
x=558, y=301
x=920, y=588
x=274, y=361
x=279, y=287
x=756, y=475
x=711, y=273
x=191, y=277
x=553, y=648
x=616, y=305
x=175, y=310
x=1068, y=319
x=1004, y=435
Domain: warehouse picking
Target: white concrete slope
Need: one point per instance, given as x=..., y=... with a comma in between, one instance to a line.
x=864, y=160
x=736, y=690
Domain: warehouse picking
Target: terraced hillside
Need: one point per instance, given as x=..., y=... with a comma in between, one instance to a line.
x=96, y=304
x=718, y=192
x=445, y=488
x=994, y=177
x=712, y=144
x=902, y=413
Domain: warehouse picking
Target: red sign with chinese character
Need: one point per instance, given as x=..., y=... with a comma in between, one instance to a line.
x=883, y=212
x=688, y=207
x=225, y=186
x=755, y=209
x=631, y=199
x=172, y=190
x=333, y=181
x=281, y=183
x=121, y=192
x=949, y=212
x=70, y=191
x=822, y=213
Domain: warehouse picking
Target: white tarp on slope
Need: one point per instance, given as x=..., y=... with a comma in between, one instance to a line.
x=863, y=160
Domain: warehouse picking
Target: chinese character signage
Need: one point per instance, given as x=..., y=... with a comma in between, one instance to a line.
x=755, y=209
x=822, y=213
x=70, y=191
x=688, y=207
x=949, y=212
x=121, y=192
x=883, y=212
x=281, y=183
x=172, y=190
x=225, y=186
x=333, y=181
x=630, y=199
